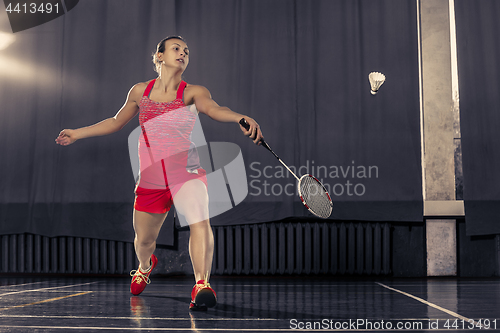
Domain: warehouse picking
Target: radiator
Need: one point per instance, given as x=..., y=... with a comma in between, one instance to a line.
x=263, y=249
x=27, y=253
x=303, y=248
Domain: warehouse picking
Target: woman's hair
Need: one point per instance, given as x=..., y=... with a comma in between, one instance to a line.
x=161, y=48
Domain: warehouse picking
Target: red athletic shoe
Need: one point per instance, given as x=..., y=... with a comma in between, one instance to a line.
x=202, y=296
x=141, y=279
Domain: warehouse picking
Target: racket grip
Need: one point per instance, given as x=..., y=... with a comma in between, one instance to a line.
x=246, y=125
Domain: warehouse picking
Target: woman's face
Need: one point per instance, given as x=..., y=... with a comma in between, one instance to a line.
x=176, y=54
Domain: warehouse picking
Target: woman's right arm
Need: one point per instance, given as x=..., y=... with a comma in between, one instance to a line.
x=109, y=125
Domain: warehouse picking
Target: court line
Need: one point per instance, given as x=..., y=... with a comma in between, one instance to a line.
x=141, y=318
x=284, y=285
x=45, y=301
x=454, y=314
x=197, y=319
x=22, y=284
x=221, y=284
x=167, y=329
x=172, y=329
x=29, y=290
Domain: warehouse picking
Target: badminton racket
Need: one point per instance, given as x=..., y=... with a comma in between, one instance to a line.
x=312, y=193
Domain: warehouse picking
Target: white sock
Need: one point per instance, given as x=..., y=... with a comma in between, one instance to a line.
x=146, y=271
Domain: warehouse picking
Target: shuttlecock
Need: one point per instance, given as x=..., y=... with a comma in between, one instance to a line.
x=376, y=80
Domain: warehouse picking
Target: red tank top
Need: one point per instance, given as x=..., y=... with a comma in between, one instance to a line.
x=165, y=145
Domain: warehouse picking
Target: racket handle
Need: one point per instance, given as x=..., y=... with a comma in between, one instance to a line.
x=246, y=125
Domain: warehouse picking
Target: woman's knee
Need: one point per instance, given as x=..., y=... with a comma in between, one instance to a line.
x=200, y=225
x=144, y=241
x=147, y=227
x=198, y=216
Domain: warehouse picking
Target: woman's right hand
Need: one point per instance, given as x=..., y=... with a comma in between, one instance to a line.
x=66, y=137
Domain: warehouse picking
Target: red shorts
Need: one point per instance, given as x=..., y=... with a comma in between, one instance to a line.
x=159, y=201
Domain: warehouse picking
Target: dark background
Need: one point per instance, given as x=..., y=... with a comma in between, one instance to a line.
x=478, y=33
x=300, y=68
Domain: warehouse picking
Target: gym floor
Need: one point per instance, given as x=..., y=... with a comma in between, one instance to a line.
x=250, y=304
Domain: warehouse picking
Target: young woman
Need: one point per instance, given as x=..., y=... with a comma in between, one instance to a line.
x=169, y=168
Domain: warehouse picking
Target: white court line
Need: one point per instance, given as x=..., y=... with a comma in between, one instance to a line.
x=188, y=318
x=290, y=285
x=25, y=284
x=141, y=318
x=17, y=285
x=221, y=284
x=454, y=314
x=173, y=329
x=197, y=319
x=29, y=290
x=206, y=329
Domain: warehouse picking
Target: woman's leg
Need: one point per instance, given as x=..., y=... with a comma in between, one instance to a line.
x=201, y=249
x=192, y=202
x=146, y=226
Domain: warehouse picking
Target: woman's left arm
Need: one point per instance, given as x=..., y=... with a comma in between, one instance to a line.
x=205, y=104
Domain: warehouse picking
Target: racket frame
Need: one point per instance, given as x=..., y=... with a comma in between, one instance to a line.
x=245, y=125
x=302, y=198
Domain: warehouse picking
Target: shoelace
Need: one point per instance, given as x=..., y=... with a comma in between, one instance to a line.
x=204, y=284
x=140, y=276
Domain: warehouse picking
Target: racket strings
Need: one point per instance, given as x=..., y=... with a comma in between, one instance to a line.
x=315, y=196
